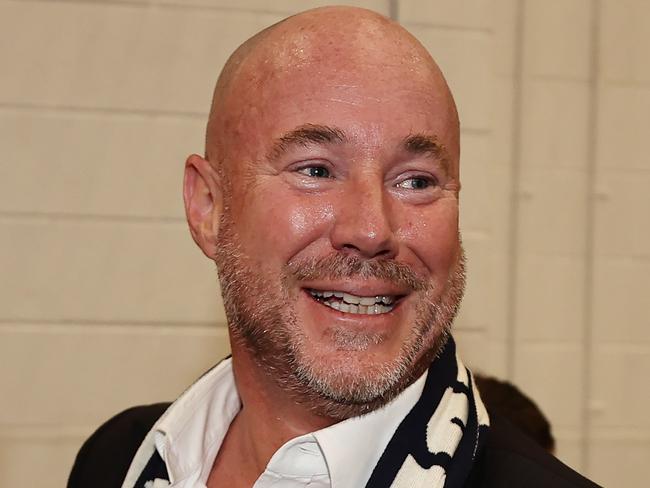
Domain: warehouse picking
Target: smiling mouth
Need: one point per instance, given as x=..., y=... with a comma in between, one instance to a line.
x=348, y=303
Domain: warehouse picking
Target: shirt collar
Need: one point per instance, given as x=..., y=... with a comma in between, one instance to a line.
x=188, y=436
x=364, y=438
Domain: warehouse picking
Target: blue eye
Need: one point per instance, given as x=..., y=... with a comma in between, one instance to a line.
x=416, y=183
x=315, y=171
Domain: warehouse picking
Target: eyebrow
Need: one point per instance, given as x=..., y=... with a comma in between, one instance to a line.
x=423, y=144
x=306, y=135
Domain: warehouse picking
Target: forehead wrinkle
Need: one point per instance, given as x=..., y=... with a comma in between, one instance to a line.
x=319, y=43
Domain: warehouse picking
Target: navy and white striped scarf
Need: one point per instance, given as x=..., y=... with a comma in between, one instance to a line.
x=436, y=444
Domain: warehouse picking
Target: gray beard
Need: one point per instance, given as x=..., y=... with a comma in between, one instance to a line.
x=261, y=321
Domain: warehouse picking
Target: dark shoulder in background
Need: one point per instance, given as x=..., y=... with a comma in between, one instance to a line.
x=521, y=447
x=511, y=459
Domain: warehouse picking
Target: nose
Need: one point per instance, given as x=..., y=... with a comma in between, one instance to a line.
x=362, y=223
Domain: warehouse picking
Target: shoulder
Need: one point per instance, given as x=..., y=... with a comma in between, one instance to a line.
x=511, y=459
x=105, y=457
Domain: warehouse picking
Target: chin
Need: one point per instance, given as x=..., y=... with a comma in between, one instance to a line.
x=341, y=382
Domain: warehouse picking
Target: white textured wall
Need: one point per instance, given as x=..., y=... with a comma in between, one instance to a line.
x=102, y=289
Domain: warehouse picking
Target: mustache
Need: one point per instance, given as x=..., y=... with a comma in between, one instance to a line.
x=340, y=266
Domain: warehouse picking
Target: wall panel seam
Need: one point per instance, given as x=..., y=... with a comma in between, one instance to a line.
x=393, y=10
x=148, y=5
x=515, y=156
x=14, y=323
x=98, y=110
x=451, y=27
x=592, y=147
x=93, y=218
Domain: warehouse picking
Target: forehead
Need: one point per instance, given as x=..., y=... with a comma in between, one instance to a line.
x=372, y=90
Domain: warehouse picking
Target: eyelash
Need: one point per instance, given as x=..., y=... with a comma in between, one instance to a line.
x=429, y=180
x=305, y=169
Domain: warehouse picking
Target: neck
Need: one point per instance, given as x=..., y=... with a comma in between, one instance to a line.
x=269, y=416
x=267, y=408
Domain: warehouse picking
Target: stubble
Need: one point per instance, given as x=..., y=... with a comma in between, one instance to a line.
x=262, y=319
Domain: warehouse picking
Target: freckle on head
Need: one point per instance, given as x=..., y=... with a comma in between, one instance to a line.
x=326, y=42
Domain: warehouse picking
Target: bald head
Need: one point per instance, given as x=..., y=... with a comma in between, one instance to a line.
x=346, y=47
x=332, y=157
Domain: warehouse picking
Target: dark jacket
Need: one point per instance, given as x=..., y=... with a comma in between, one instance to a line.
x=509, y=459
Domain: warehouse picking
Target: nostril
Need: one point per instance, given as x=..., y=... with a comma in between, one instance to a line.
x=368, y=238
x=350, y=247
x=371, y=253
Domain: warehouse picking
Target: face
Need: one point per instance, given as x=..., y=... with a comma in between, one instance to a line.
x=337, y=247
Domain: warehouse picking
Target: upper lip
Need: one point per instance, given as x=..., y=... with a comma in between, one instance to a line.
x=365, y=288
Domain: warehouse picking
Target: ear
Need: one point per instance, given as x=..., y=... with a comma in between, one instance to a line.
x=203, y=196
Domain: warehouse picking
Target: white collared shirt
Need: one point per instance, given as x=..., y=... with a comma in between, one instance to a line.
x=188, y=437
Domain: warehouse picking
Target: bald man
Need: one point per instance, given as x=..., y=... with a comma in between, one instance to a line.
x=328, y=199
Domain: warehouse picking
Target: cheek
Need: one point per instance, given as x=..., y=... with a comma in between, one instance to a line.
x=284, y=228
x=432, y=236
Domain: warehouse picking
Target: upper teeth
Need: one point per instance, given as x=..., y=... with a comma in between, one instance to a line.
x=354, y=299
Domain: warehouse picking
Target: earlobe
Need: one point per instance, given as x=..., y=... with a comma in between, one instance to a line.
x=203, y=202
